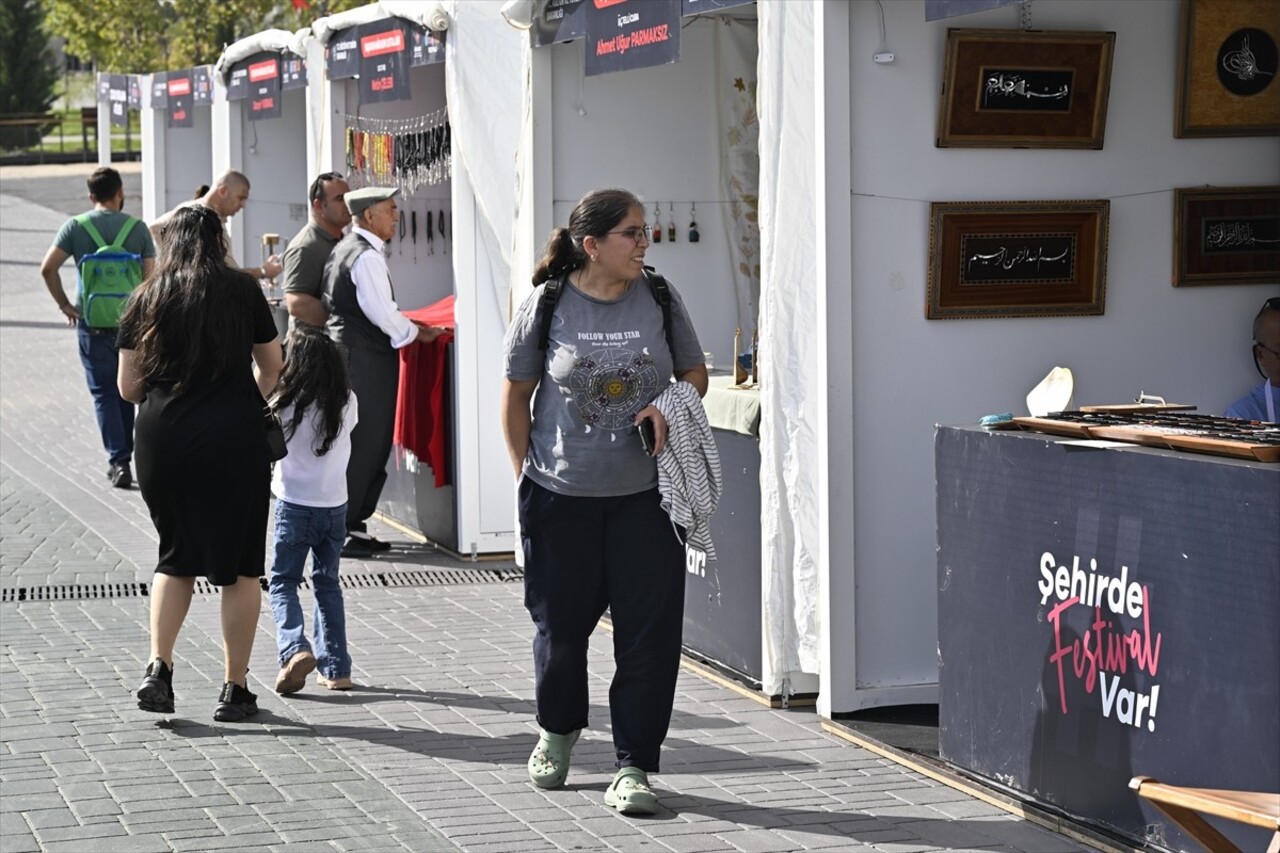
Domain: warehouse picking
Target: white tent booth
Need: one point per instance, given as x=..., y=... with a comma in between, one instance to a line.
x=177, y=139
x=259, y=118
x=683, y=135
x=853, y=378
x=448, y=141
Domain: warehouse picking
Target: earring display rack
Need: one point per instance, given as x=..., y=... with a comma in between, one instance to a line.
x=405, y=153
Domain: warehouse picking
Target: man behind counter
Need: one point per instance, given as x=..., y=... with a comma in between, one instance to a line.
x=1263, y=402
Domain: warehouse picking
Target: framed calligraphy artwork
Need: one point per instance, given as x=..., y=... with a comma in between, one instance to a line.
x=1017, y=259
x=1228, y=61
x=1025, y=89
x=1226, y=235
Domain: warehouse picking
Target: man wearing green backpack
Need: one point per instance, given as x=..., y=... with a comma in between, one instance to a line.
x=113, y=253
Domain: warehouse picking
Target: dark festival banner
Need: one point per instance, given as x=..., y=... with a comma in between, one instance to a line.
x=264, y=86
x=1090, y=622
x=160, y=90
x=178, y=91
x=427, y=46
x=627, y=34
x=710, y=7
x=342, y=54
x=202, y=85
x=384, y=62
x=561, y=20
x=118, y=99
x=135, y=92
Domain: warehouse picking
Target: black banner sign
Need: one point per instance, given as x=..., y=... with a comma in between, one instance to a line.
x=160, y=90
x=561, y=20
x=428, y=46
x=135, y=92
x=293, y=73
x=264, y=86
x=118, y=98
x=238, y=82
x=384, y=62
x=342, y=54
x=202, y=85
x=627, y=34
x=179, y=92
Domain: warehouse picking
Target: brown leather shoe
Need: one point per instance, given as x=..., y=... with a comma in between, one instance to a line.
x=343, y=683
x=293, y=675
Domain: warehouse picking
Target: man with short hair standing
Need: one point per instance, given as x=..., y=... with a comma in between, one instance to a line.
x=227, y=197
x=364, y=318
x=98, y=351
x=305, y=257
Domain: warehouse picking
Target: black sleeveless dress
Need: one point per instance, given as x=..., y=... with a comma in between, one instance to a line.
x=201, y=460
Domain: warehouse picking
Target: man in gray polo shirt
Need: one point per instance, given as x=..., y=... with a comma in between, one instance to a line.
x=305, y=257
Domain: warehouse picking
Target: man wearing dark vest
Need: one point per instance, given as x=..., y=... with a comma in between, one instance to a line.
x=364, y=319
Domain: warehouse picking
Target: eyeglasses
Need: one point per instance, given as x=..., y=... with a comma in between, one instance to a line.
x=1276, y=353
x=635, y=235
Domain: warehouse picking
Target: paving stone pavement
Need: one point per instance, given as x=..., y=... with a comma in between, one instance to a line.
x=428, y=754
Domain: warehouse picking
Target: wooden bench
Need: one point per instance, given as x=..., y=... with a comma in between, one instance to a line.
x=1185, y=805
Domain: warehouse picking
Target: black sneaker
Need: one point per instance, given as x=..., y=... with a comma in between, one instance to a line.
x=120, y=475
x=235, y=703
x=156, y=692
x=356, y=548
x=377, y=545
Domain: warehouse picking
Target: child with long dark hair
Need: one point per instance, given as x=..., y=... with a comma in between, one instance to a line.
x=318, y=411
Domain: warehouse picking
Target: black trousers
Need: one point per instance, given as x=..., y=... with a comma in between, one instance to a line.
x=582, y=555
x=375, y=379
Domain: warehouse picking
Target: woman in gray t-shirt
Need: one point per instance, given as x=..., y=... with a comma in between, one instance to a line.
x=578, y=383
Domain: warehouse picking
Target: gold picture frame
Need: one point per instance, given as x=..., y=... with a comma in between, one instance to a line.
x=1226, y=235
x=1228, y=58
x=1017, y=259
x=1025, y=89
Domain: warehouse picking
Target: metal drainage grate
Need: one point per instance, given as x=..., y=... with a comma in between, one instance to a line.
x=359, y=580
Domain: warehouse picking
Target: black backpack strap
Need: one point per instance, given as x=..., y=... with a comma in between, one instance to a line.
x=662, y=295
x=550, y=296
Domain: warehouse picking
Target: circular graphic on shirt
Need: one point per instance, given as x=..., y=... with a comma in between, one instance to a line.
x=610, y=385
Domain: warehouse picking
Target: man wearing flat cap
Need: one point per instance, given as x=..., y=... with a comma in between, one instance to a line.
x=364, y=319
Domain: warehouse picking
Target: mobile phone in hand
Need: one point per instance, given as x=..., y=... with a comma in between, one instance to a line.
x=647, y=439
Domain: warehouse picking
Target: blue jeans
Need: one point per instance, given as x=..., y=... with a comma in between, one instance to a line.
x=101, y=360
x=319, y=531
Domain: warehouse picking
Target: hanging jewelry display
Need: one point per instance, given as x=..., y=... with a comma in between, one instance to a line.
x=405, y=153
x=657, y=224
x=444, y=244
x=413, y=230
x=671, y=222
x=431, y=236
x=400, y=241
x=693, y=222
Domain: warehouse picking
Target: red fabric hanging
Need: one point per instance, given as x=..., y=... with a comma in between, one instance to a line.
x=422, y=401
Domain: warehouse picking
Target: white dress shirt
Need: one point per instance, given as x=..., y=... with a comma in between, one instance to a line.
x=373, y=293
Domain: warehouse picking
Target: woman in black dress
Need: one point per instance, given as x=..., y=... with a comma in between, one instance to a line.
x=199, y=351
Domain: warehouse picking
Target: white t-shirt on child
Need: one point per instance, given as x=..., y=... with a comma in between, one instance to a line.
x=306, y=479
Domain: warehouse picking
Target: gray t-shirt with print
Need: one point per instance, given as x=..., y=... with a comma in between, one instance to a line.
x=604, y=362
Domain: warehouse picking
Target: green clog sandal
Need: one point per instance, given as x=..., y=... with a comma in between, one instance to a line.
x=549, y=763
x=629, y=793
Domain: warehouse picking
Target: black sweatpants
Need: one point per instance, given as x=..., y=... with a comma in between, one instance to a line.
x=582, y=555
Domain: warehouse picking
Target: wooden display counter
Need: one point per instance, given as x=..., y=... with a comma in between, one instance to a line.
x=1105, y=613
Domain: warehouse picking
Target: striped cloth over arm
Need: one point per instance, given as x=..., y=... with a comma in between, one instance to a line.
x=689, y=465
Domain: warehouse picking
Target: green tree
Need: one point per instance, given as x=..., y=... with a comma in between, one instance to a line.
x=27, y=75
x=138, y=36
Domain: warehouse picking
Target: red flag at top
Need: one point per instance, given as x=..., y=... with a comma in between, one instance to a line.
x=300, y=5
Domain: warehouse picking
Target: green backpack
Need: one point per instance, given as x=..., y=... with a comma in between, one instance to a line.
x=107, y=277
